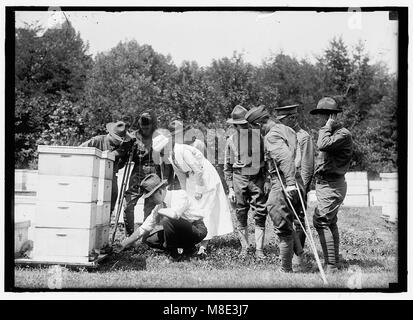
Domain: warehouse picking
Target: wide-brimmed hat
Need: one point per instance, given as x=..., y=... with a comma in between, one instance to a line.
x=326, y=105
x=257, y=113
x=150, y=184
x=238, y=115
x=118, y=131
x=284, y=111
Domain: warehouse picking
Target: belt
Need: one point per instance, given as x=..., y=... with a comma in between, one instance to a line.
x=239, y=171
x=328, y=177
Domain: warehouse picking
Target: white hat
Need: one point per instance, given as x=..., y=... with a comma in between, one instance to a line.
x=159, y=142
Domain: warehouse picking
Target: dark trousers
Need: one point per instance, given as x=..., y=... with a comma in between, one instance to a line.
x=279, y=210
x=249, y=193
x=330, y=195
x=177, y=233
x=300, y=212
x=132, y=196
x=114, y=195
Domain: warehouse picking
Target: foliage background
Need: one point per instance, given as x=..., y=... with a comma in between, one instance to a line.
x=64, y=95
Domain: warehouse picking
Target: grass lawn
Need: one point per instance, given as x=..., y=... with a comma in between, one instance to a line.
x=368, y=250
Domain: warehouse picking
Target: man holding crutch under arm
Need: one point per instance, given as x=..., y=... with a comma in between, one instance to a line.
x=280, y=144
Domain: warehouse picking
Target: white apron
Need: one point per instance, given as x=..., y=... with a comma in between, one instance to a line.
x=191, y=167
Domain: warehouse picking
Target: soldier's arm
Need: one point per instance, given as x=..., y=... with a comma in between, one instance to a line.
x=89, y=143
x=307, y=160
x=327, y=141
x=283, y=158
x=228, y=169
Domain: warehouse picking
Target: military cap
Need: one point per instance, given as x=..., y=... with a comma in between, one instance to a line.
x=284, y=111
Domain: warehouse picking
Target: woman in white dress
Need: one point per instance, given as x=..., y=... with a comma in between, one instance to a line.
x=200, y=179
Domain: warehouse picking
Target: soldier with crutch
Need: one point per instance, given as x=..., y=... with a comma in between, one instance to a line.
x=280, y=144
x=304, y=164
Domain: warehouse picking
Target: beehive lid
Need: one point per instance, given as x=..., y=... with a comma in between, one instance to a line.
x=108, y=155
x=70, y=150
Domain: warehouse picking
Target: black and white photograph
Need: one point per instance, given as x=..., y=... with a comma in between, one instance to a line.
x=206, y=149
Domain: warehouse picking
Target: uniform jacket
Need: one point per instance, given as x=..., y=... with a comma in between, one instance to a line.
x=336, y=149
x=304, y=161
x=244, y=150
x=280, y=144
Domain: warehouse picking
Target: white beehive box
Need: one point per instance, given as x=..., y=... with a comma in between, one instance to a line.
x=20, y=234
x=357, y=189
x=67, y=188
x=25, y=180
x=102, y=212
x=106, y=165
x=52, y=244
x=104, y=190
x=390, y=196
x=69, y=161
x=25, y=210
x=55, y=214
x=102, y=236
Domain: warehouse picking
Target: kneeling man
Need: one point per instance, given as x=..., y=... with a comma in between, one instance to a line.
x=175, y=222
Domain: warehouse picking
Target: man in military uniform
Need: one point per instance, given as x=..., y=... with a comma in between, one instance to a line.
x=144, y=165
x=244, y=175
x=336, y=148
x=280, y=143
x=304, y=164
x=117, y=141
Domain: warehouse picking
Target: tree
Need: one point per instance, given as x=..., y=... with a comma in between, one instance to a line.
x=47, y=66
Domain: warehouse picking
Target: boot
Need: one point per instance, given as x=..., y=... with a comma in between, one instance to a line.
x=336, y=238
x=301, y=236
x=286, y=253
x=259, y=243
x=243, y=238
x=298, y=249
x=327, y=244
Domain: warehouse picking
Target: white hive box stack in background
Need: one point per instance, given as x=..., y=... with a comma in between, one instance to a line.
x=357, y=189
x=25, y=198
x=103, y=204
x=390, y=196
x=66, y=213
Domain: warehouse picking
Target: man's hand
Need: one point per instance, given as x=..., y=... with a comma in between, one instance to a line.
x=290, y=191
x=231, y=195
x=267, y=187
x=331, y=119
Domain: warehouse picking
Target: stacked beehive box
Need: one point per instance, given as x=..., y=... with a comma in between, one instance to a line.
x=103, y=203
x=66, y=214
x=390, y=196
x=357, y=189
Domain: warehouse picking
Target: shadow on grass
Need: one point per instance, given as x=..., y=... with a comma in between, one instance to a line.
x=363, y=264
x=128, y=260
